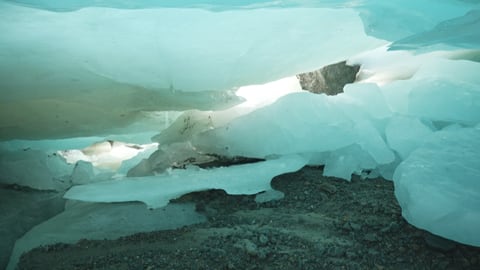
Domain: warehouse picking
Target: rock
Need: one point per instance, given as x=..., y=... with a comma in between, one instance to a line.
x=263, y=239
x=328, y=188
x=269, y=195
x=330, y=79
x=439, y=243
x=248, y=246
x=371, y=237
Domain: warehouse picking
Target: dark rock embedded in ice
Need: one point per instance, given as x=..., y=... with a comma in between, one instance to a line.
x=330, y=79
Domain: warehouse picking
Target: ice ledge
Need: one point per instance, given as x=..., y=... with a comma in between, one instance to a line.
x=157, y=191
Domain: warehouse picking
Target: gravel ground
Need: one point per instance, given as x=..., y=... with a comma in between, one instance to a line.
x=321, y=223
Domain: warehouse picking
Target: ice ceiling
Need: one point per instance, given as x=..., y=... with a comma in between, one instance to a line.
x=218, y=78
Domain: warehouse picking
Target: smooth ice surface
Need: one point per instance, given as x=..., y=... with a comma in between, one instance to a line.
x=460, y=32
x=405, y=17
x=405, y=142
x=440, y=90
x=157, y=191
x=103, y=221
x=292, y=130
x=438, y=185
x=96, y=69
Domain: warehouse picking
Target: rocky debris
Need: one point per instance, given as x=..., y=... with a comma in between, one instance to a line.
x=359, y=226
x=330, y=79
x=224, y=161
x=371, y=237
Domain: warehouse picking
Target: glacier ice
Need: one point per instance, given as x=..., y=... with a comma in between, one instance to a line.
x=460, y=32
x=151, y=58
x=438, y=185
x=304, y=123
x=74, y=73
x=402, y=142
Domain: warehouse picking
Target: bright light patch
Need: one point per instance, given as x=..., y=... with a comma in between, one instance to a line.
x=260, y=95
x=106, y=154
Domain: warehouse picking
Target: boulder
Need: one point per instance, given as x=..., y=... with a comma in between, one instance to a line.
x=330, y=79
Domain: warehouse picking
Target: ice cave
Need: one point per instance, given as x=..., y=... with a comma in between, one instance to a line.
x=110, y=110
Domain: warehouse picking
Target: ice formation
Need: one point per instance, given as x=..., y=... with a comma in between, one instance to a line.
x=157, y=191
x=103, y=221
x=214, y=78
x=442, y=196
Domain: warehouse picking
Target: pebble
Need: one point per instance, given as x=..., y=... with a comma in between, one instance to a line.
x=330, y=189
x=263, y=239
x=248, y=246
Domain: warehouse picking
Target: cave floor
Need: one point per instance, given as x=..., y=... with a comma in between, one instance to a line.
x=322, y=223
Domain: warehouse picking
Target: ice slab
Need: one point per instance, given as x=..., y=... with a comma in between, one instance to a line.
x=103, y=221
x=157, y=191
x=302, y=123
x=193, y=122
x=21, y=210
x=393, y=20
x=430, y=86
x=460, y=32
x=296, y=123
x=438, y=185
x=344, y=162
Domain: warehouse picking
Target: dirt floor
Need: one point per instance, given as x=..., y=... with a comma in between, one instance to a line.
x=322, y=223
